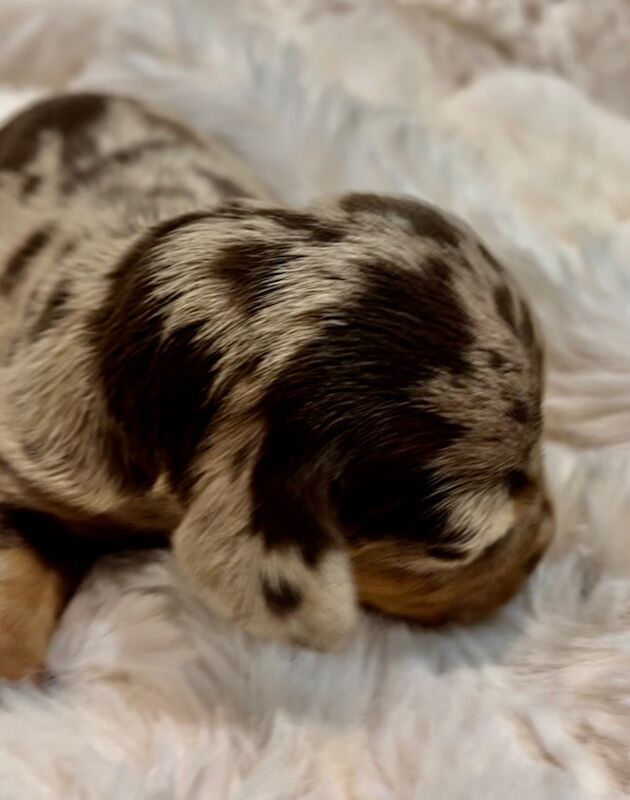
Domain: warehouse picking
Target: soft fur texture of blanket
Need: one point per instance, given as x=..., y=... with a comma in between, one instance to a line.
x=149, y=697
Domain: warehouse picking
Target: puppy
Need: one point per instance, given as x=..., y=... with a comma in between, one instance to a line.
x=317, y=408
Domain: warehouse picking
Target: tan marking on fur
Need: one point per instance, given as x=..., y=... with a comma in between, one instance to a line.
x=32, y=596
x=437, y=594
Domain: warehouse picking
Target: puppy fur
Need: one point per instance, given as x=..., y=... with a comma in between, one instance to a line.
x=318, y=407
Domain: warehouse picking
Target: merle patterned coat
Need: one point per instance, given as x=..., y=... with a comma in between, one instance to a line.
x=318, y=408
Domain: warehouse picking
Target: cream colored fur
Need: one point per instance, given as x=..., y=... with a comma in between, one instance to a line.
x=155, y=698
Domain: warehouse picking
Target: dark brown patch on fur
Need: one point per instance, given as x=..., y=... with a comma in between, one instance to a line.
x=282, y=598
x=505, y=307
x=532, y=561
x=308, y=226
x=158, y=421
x=125, y=156
x=428, y=300
x=348, y=437
x=53, y=311
x=71, y=544
x=398, y=496
x=305, y=223
x=519, y=412
x=289, y=511
x=167, y=227
x=48, y=536
x=517, y=482
x=252, y=271
x=17, y=264
x=496, y=360
x=425, y=220
x=68, y=115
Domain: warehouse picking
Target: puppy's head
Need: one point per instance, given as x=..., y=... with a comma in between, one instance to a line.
x=413, y=419
x=453, y=584
x=373, y=421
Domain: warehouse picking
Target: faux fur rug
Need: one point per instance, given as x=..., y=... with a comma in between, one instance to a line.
x=150, y=698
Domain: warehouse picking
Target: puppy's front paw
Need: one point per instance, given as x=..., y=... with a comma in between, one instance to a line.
x=310, y=606
x=274, y=594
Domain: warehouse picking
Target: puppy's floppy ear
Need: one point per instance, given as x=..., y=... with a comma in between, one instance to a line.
x=263, y=580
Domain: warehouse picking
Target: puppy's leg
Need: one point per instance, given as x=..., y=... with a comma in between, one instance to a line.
x=272, y=569
x=34, y=589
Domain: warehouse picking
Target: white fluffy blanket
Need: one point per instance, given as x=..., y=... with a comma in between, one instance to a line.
x=150, y=698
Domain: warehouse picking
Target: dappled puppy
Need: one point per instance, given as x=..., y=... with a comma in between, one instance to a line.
x=318, y=408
